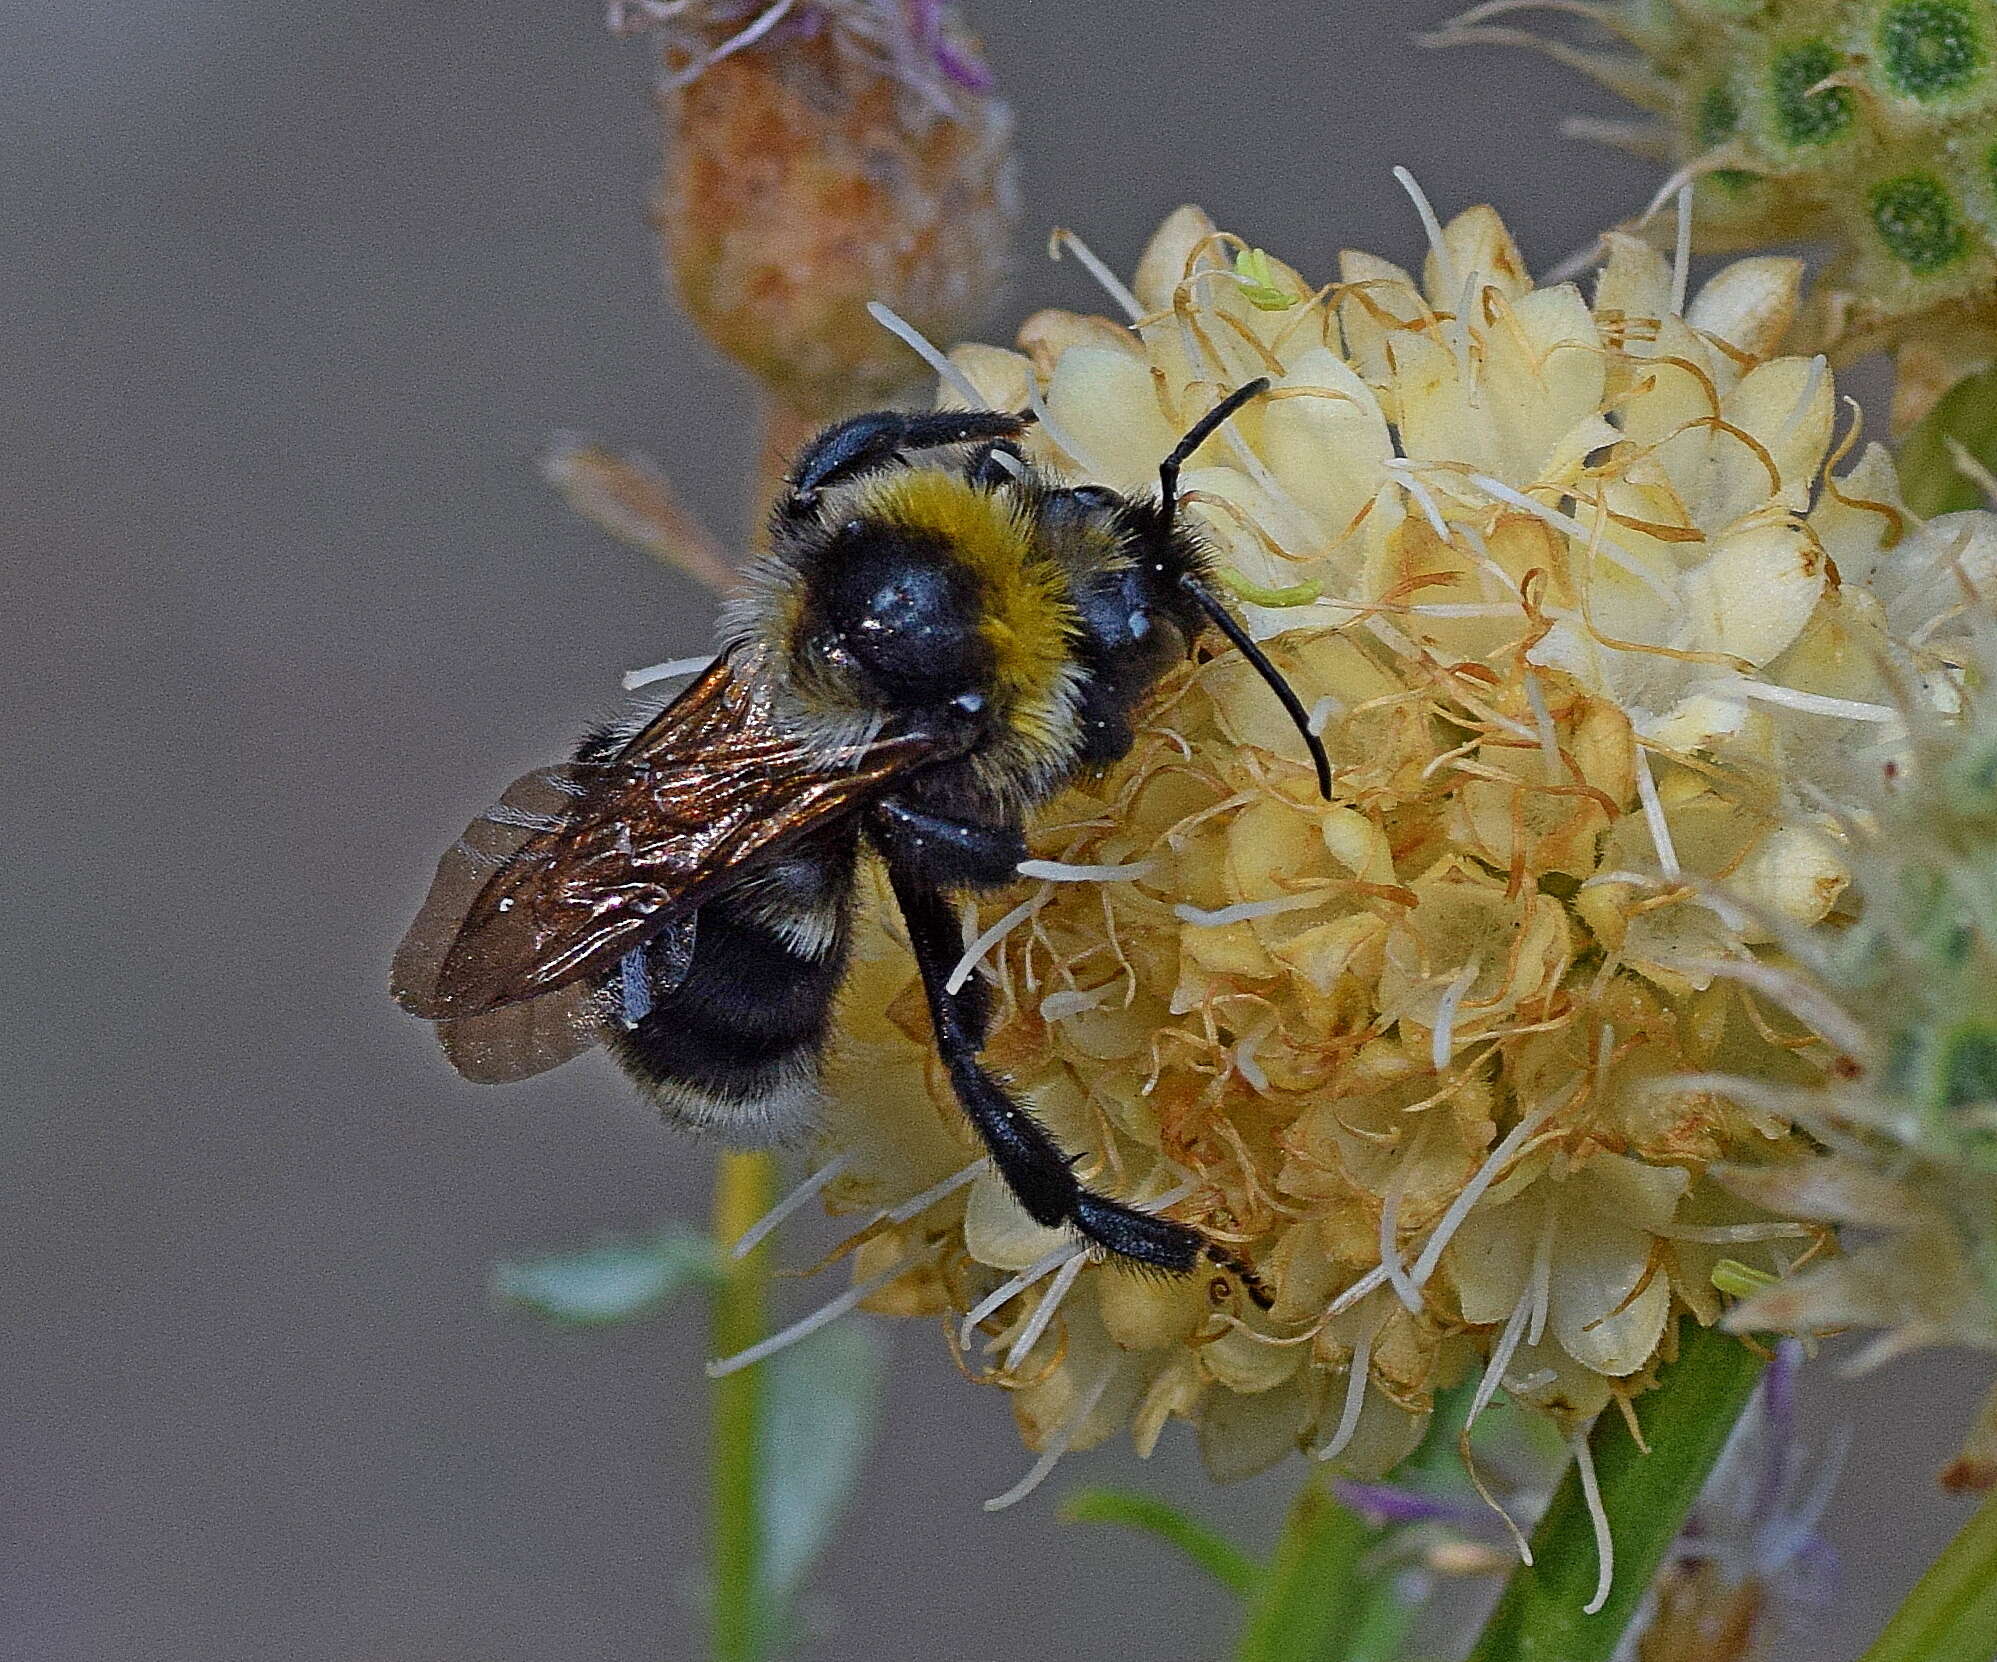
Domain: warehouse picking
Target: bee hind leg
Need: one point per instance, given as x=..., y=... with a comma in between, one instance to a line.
x=1028, y=1160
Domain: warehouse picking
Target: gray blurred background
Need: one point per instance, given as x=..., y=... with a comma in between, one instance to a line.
x=289, y=297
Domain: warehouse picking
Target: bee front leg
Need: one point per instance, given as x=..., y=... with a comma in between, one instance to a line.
x=1028, y=1160
x=867, y=443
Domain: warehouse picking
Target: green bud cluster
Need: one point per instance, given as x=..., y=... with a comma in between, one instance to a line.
x=1870, y=122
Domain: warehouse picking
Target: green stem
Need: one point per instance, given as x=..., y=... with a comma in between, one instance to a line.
x=1686, y=1421
x=1951, y=1615
x=1302, y=1610
x=744, y=1186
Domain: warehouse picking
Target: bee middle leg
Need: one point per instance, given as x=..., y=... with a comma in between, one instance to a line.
x=1027, y=1159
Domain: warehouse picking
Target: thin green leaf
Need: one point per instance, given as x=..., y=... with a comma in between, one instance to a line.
x=1951, y=1615
x=1930, y=477
x=821, y=1412
x=1303, y=1606
x=615, y=1281
x=1686, y=1421
x=1200, y=1542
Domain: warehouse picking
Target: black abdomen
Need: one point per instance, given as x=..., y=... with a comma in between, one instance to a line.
x=731, y=1041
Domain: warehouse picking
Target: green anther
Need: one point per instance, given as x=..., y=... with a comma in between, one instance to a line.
x=1738, y=1280
x=1917, y=219
x=1930, y=48
x=1297, y=594
x=1258, y=281
x=1803, y=117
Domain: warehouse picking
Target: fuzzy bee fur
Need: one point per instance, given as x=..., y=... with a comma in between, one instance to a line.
x=937, y=640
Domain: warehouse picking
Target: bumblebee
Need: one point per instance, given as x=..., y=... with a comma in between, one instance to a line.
x=939, y=638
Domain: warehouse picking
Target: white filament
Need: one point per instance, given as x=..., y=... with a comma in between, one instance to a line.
x=1542, y=718
x=1390, y=1226
x=1605, y=1546
x=1501, y=1358
x=1442, y=1042
x=1445, y=267
x=1816, y=704
x=1059, y=871
x=1473, y=1191
x=1043, y=1314
x=753, y=1235
x=1355, y=1394
x=805, y=1326
x=1046, y=1264
x=975, y=952
x=1681, y=253
x=1243, y=910
x=671, y=670
x=947, y=372
x=918, y=1204
x=1617, y=555
x=1112, y=285
x=1653, y=816
x=1057, y=1445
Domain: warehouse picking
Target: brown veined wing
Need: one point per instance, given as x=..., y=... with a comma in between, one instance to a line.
x=578, y=865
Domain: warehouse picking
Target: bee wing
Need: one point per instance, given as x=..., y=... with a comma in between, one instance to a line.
x=578, y=865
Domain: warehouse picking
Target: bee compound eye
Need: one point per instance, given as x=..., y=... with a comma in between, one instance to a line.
x=1140, y=624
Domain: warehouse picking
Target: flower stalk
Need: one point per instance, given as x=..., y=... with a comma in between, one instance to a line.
x=1543, y=1615
x=1951, y=1615
x=744, y=1188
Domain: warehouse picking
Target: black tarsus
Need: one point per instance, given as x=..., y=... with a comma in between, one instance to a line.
x=1029, y=1162
x=1211, y=603
x=1230, y=626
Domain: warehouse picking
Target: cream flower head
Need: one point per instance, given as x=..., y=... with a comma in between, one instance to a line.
x=1582, y=612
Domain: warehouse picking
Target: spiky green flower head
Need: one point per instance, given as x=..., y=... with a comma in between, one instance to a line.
x=1871, y=124
x=1911, y=1125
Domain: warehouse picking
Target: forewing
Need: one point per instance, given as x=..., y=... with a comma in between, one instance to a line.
x=635, y=842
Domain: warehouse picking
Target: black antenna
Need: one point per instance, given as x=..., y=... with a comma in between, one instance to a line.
x=1230, y=626
x=1210, y=603
x=1203, y=429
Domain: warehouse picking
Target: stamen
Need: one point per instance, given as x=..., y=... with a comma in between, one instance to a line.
x=1653, y=816
x=1442, y=1042
x=917, y=342
x=812, y=1185
x=1681, y=252
x=823, y=1316
x=1390, y=1225
x=671, y=670
x=1355, y=1394
x=1542, y=1271
x=1473, y=1191
x=1501, y=1358
x=1605, y=1546
x=1542, y=718
x=1618, y=556
x=1241, y=911
x=1112, y=285
x=1057, y=1445
x=1816, y=704
x=1043, y=1314
x=915, y=1207
x=1374, y=1278
x=1445, y=267
x=1059, y=871
x=1044, y=1265
x=974, y=953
